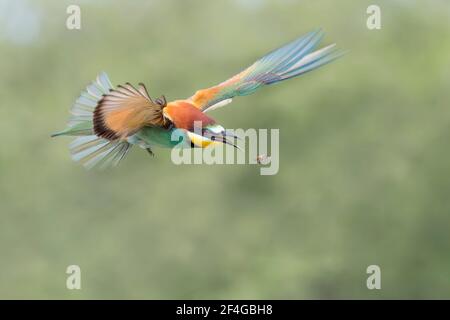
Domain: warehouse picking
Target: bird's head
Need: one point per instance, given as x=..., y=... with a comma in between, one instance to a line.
x=201, y=129
x=184, y=115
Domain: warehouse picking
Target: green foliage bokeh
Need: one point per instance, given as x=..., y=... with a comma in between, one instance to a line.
x=364, y=156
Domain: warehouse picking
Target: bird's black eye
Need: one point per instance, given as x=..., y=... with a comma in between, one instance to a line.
x=169, y=124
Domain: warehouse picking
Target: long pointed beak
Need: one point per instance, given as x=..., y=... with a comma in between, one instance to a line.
x=222, y=139
x=208, y=137
x=229, y=134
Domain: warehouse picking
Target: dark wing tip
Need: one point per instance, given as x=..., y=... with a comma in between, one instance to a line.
x=100, y=127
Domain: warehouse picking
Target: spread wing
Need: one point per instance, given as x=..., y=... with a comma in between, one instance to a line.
x=284, y=63
x=125, y=110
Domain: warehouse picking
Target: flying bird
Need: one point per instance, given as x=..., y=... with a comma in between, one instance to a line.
x=108, y=120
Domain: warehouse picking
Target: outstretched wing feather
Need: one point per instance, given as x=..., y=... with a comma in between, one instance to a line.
x=284, y=63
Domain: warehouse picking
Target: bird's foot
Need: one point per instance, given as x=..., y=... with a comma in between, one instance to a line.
x=150, y=151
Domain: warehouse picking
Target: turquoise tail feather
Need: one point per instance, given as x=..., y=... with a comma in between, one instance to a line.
x=93, y=151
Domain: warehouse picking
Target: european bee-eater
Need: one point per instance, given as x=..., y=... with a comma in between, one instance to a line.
x=108, y=120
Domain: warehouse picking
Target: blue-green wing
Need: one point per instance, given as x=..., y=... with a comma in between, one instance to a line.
x=289, y=61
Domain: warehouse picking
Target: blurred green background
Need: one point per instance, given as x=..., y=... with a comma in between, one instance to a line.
x=364, y=155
